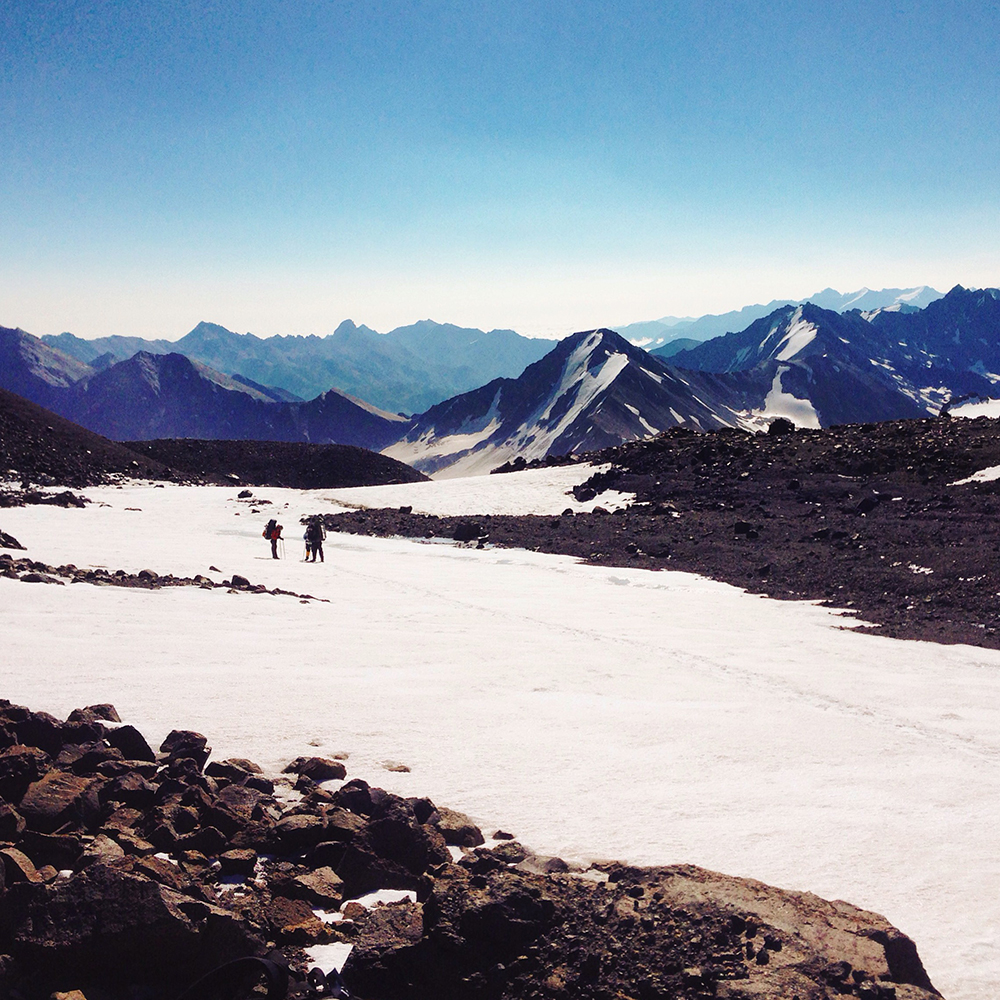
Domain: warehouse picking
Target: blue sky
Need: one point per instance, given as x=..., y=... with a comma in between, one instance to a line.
x=547, y=166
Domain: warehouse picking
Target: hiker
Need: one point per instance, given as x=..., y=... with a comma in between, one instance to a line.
x=315, y=533
x=305, y=537
x=273, y=531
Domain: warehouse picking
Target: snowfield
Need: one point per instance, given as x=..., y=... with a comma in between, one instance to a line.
x=594, y=712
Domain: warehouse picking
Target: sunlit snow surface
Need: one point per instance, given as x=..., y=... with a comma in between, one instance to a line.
x=982, y=408
x=654, y=717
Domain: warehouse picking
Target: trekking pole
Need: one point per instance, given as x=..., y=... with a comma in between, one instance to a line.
x=282, y=547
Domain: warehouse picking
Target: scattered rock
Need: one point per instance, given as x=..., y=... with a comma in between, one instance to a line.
x=317, y=768
x=9, y=541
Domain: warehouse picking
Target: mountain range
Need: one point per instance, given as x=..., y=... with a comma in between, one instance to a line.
x=662, y=335
x=811, y=365
x=406, y=370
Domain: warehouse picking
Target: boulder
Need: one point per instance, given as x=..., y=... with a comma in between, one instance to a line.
x=356, y=796
x=130, y=789
x=17, y=867
x=316, y=768
x=458, y=829
x=120, y=929
x=9, y=541
x=131, y=742
x=184, y=744
x=238, y=862
x=59, y=798
x=296, y=833
x=105, y=712
x=101, y=848
x=61, y=850
x=322, y=887
x=20, y=766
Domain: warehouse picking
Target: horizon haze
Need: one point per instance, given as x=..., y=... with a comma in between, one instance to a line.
x=543, y=168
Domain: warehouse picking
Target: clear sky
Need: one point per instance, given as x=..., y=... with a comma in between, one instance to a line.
x=547, y=166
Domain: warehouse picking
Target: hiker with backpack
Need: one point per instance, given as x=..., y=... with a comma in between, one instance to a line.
x=315, y=533
x=272, y=531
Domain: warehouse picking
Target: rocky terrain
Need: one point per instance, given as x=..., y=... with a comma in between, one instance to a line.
x=864, y=517
x=126, y=872
x=38, y=446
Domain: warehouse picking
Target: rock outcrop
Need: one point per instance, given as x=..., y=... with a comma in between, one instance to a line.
x=125, y=873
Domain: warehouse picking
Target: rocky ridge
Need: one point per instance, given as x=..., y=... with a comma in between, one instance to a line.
x=126, y=872
x=874, y=518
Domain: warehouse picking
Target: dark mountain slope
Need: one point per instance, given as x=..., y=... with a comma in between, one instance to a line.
x=155, y=396
x=957, y=337
x=279, y=463
x=41, y=447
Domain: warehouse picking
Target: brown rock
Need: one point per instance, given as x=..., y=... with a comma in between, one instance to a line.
x=122, y=819
x=94, y=713
x=246, y=765
x=130, y=789
x=185, y=744
x=238, y=862
x=59, y=798
x=132, y=843
x=293, y=921
x=101, y=848
x=458, y=829
x=341, y=824
x=128, y=931
x=19, y=766
x=299, y=832
x=11, y=822
x=17, y=867
x=131, y=742
x=316, y=768
x=62, y=850
x=322, y=887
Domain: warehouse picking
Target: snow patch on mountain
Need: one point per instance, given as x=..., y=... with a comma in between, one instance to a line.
x=799, y=335
x=778, y=403
x=979, y=408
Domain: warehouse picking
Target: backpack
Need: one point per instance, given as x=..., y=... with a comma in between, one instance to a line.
x=269, y=529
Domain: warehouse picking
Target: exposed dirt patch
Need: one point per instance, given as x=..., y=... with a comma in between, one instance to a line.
x=860, y=516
